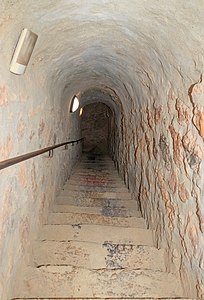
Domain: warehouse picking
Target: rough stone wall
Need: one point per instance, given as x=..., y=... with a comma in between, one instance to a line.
x=162, y=163
x=95, y=127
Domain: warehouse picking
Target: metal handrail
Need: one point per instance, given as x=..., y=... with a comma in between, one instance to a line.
x=15, y=160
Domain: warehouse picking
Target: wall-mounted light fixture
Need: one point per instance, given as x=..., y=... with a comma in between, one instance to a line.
x=23, y=51
x=81, y=111
x=74, y=104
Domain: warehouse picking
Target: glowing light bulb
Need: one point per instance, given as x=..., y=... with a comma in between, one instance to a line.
x=75, y=104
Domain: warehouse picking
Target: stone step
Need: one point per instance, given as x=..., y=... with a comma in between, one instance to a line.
x=98, y=166
x=106, y=162
x=95, y=170
x=73, y=282
x=95, y=188
x=99, y=158
x=97, y=175
x=81, y=183
x=105, y=298
x=94, y=179
x=101, y=177
x=98, y=256
x=105, y=211
x=91, y=171
x=96, y=157
x=97, y=161
x=83, y=218
x=100, y=195
x=90, y=202
x=95, y=202
x=108, y=175
x=97, y=234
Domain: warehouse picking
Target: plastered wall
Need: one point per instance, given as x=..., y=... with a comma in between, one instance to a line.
x=30, y=119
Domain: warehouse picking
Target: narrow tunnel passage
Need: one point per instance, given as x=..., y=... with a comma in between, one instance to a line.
x=96, y=128
x=144, y=60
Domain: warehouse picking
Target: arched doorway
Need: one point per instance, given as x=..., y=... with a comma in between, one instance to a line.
x=96, y=128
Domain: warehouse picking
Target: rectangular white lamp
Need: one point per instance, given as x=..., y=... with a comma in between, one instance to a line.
x=23, y=51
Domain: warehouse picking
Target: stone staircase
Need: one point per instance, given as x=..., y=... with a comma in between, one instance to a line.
x=95, y=244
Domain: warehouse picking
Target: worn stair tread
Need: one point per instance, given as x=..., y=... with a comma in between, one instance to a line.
x=106, y=159
x=100, y=165
x=67, y=281
x=92, y=183
x=113, y=175
x=106, y=178
x=107, y=195
x=95, y=180
x=98, y=256
x=95, y=188
x=90, y=202
x=91, y=170
x=98, y=162
x=90, y=175
x=103, y=211
x=83, y=218
x=97, y=159
x=97, y=234
x=106, y=162
x=98, y=175
x=161, y=298
x=95, y=168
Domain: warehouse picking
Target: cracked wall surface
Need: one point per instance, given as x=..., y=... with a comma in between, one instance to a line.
x=148, y=57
